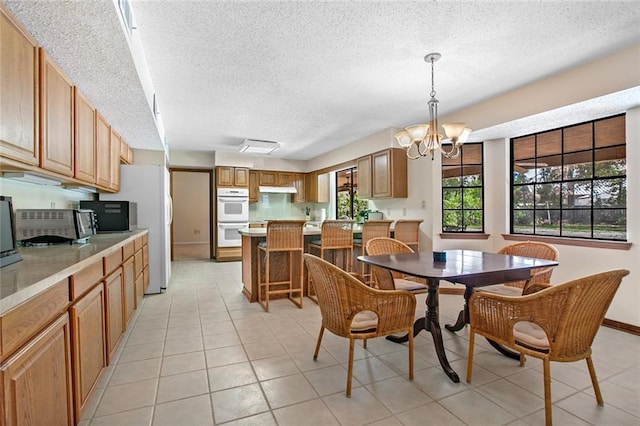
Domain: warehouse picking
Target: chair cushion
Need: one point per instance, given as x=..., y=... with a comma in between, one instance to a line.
x=408, y=285
x=316, y=242
x=364, y=321
x=357, y=241
x=501, y=289
x=531, y=335
x=262, y=244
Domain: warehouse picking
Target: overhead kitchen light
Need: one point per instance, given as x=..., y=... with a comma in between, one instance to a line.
x=253, y=146
x=278, y=189
x=425, y=137
x=31, y=178
x=81, y=188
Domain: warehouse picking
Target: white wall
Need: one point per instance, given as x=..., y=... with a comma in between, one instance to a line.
x=367, y=145
x=190, y=207
x=260, y=162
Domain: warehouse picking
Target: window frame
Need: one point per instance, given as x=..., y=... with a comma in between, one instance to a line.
x=461, y=187
x=563, y=182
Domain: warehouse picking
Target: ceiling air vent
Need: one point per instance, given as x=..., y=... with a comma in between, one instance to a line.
x=253, y=146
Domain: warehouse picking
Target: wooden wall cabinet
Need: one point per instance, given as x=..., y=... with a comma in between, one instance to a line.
x=241, y=177
x=88, y=345
x=253, y=186
x=383, y=174
x=311, y=187
x=126, y=153
x=19, y=103
x=286, y=179
x=84, y=139
x=56, y=119
x=36, y=386
x=267, y=178
x=227, y=176
x=299, y=182
x=46, y=123
x=316, y=187
x=114, y=162
x=103, y=152
x=323, y=188
x=365, y=189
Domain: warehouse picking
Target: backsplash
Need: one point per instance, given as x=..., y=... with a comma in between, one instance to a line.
x=32, y=196
x=275, y=206
x=279, y=206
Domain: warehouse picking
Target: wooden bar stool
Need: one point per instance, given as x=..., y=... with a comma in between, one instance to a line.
x=336, y=239
x=370, y=229
x=408, y=231
x=282, y=251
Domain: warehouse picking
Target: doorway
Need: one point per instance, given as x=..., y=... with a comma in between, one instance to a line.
x=191, y=231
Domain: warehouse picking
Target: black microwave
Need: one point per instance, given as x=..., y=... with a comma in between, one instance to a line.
x=113, y=216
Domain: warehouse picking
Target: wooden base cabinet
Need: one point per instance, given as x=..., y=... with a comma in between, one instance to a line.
x=88, y=337
x=129, y=291
x=36, y=382
x=115, y=313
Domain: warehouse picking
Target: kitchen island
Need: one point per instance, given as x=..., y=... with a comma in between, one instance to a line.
x=251, y=237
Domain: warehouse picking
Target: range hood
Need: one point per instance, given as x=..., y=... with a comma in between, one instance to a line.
x=278, y=189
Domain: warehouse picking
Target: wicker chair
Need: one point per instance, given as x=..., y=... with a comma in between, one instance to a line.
x=540, y=277
x=283, y=249
x=352, y=310
x=408, y=231
x=386, y=279
x=370, y=229
x=336, y=239
x=558, y=323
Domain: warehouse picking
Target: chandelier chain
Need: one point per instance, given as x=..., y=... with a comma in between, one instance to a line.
x=433, y=86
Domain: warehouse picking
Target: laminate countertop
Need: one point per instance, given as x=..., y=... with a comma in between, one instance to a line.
x=44, y=266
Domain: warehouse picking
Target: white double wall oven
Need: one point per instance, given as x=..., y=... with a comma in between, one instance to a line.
x=233, y=214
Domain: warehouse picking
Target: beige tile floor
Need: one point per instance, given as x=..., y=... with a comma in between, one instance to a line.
x=200, y=354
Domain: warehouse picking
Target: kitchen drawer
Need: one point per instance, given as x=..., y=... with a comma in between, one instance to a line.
x=127, y=250
x=112, y=261
x=138, y=243
x=27, y=319
x=145, y=256
x=84, y=280
x=145, y=239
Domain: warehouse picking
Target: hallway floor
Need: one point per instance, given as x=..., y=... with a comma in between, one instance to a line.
x=200, y=354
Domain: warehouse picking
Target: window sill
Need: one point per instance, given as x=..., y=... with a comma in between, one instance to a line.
x=463, y=236
x=613, y=245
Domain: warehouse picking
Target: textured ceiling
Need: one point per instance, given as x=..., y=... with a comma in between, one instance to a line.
x=317, y=75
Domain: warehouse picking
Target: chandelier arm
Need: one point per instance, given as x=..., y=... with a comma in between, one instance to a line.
x=425, y=151
x=454, y=152
x=408, y=152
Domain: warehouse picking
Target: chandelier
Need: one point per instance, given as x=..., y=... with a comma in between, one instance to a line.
x=421, y=140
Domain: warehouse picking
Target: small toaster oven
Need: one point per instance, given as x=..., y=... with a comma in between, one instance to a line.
x=54, y=225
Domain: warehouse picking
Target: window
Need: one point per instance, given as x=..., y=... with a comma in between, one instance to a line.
x=571, y=182
x=347, y=202
x=462, y=191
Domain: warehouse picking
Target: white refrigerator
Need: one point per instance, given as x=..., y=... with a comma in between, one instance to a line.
x=148, y=186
